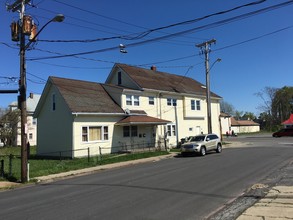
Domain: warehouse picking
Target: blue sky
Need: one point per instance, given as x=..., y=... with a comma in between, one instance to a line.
x=256, y=50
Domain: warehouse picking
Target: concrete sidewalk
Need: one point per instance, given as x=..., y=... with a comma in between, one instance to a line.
x=277, y=204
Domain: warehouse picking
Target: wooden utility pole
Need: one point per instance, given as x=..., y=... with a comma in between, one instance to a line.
x=205, y=48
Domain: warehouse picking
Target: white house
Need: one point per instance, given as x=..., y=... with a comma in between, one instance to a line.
x=135, y=106
x=31, y=104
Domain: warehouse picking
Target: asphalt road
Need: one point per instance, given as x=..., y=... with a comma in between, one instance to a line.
x=176, y=188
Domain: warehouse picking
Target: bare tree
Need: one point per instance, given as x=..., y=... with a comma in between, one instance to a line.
x=8, y=127
x=227, y=107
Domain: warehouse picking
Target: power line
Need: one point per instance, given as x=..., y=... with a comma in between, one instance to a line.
x=136, y=36
x=204, y=27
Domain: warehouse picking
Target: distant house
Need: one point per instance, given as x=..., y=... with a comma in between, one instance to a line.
x=244, y=126
x=225, y=120
x=135, y=106
x=229, y=124
x=31, y=104
x=289, y=122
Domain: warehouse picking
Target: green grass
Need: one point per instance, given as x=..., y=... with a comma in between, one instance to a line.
x=42, y=167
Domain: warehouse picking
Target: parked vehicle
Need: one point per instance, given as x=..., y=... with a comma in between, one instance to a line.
x=283, y=132
x=201, y=144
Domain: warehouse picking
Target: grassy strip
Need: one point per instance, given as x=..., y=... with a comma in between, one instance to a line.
x=43, y=167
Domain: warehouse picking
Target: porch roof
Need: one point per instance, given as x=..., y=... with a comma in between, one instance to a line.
x=141, y=119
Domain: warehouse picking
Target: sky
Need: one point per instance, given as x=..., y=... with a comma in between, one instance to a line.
x=253, y=41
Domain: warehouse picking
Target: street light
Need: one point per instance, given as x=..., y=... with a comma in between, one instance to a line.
x=22, y=93
x=208, y=93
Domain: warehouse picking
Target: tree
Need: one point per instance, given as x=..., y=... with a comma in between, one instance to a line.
x=238, y=114
x=278, y=105
x=282, y=104
x=8, y=126
x=226, y=107
x=248, y=116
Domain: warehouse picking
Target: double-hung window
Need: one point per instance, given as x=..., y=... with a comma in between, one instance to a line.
x=151, y=100
x=195, y=104
x=171, y=130
x=132, y=100
x=95, y=133
x=171, y=102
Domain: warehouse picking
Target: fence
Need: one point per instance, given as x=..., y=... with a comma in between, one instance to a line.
x=91, y=151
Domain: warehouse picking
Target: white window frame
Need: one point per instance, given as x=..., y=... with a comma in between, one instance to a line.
x=151, y=100
x=132, y=100
x=195, y=105
x=198, y=105
x=170, y=129
x=171, y=102
x=85, y=138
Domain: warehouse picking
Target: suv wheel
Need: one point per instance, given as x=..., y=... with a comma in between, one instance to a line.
x=202, y=151
x=219, y=148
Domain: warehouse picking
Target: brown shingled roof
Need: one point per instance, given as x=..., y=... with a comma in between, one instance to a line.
x=235, y=122
x=85, y=97
x=152, y=79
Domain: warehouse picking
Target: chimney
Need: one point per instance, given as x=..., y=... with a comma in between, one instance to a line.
x=31, y=95
x=154, y=68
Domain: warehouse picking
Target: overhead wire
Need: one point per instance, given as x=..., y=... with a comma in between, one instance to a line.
x=140, y=35
x=200, y=28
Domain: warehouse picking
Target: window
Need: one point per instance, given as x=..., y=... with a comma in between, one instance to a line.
x=171, y=102
x=151, y=100
x=136, y=100
x=128, y=100
x=132, y=100
x=119, y=78
x=95, y=133
x=192, y=104
x=195, y=105
x=171, y=130
x=126, y=131
x=198, y=105
x=53, y=102
x=30, y=136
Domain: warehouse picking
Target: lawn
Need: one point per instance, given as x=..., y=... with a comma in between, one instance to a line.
x=42, y=167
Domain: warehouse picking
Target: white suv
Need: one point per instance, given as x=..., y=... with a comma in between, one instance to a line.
x=201, y=144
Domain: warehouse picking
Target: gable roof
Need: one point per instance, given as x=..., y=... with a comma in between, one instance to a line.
x=85, y=97
x=157, y=80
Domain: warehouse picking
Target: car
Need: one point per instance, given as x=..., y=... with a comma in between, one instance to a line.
x=201, y=144
x=283, y=132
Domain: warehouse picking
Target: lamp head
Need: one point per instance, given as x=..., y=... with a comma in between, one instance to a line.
x=58, y=18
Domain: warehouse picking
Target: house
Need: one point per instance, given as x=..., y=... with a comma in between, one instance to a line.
x=229, y=124
x=289, y=122
x=135, y=106
x=31, y=104
x=244, y=126
x=225, y=122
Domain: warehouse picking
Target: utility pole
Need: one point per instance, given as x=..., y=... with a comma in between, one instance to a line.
x=19, y=6
x=205, y=49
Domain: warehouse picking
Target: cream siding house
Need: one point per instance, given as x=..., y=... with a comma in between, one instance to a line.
x=180, y=100
x=135, y=106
